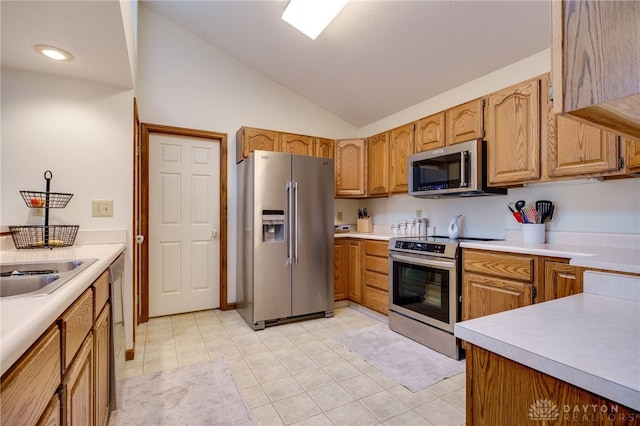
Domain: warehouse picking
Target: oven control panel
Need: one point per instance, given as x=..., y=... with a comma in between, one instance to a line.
x=420, y=246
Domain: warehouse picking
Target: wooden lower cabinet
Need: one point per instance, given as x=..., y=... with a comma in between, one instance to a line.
x=77, y=387
x=340, y=269
x=28, y=386
x=64, y=377
x=355, y=271
x=375, y=287
x=494, y=282
x=503, y=392
x=101, y=346
x=561, y=280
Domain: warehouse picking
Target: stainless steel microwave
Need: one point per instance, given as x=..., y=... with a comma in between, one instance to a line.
x=458, y=170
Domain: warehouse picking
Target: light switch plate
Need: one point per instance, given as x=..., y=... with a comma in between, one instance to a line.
x=102, y=208
x=339, y=215
x=418, y=214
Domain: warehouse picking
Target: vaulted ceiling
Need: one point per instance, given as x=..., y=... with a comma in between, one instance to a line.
x=376, y=58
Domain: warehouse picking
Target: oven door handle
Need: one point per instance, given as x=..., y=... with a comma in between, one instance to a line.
x=424, y=262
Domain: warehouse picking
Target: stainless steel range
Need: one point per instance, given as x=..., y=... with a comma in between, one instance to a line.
x=425, y=291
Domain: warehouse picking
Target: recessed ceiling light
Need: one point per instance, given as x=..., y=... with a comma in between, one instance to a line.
x=311, y=17
x=53, y=52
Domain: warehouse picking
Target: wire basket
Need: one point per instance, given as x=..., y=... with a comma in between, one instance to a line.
x=41, y=236
x=39, y=199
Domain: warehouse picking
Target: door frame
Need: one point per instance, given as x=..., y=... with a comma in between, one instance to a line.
x=141, y=195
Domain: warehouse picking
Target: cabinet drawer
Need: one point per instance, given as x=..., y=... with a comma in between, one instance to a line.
x=376, y=299
x=373, y=279
x=75, y=324
x=100, y=293
x=376, y=264
x=28, y=386
x=376, y=248
x=503, y=265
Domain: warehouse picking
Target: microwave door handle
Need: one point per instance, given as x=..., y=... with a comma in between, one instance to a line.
x=463, y=169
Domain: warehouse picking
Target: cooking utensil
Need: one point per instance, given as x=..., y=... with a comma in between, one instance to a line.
x=520, y=204
x=517, y=215
x=360, y=214
x=364, y=213
x=545, y=209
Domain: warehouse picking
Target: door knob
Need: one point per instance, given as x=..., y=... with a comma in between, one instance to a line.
x=214, y=233
x=139, y=239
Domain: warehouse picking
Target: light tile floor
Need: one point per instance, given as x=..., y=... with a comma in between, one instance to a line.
x=295, y=374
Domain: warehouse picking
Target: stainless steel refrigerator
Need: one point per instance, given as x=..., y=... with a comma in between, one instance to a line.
x=285, y=238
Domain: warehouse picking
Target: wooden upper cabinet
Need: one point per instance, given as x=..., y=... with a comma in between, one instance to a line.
x=581, y=149
x=378, y=164
x=633, y=155
x=351, y=168
x=401, y=145
x=296, y=144
x=465, y=122
x=429, y=133
x=249, y=139
x=595, y=62
x=324, y=147
x=513, y=134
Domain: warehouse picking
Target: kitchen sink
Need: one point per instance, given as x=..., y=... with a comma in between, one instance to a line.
x=38, y=278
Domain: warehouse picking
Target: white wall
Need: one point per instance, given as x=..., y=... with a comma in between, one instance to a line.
x=186, y=82
x=79, y=130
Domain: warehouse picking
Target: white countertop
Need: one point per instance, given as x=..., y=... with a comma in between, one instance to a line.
x=365, y=235
x=23, y=320
x=589, y=340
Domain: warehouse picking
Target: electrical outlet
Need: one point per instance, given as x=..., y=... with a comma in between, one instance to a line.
x=102, y=208
x=39, y=211
x=418, y=214
x=339, y=215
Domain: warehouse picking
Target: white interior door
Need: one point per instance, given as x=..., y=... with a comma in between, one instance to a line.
x=184, y=219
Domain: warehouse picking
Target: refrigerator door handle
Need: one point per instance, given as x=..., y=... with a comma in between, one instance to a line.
x=290, y=224
x=295, y=225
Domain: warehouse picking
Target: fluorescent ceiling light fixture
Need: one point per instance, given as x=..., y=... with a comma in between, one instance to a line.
x=311, y=17
x=53, y=52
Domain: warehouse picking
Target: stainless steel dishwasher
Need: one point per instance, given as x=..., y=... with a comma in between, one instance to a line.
x=117, y=355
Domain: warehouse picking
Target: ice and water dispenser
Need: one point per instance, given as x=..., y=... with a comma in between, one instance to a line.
x=272, y=226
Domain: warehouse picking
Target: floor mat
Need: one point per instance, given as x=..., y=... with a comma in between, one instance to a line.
x=409, y=363
x=199, y=394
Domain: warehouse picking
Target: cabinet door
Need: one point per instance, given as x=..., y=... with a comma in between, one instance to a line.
x=101, y=345
x=324, y=147
x=341, y=269
x=351, y=168
x=297, y=144
x=561, y=280
x=401, y=145
x=484, y=295
x=465, y=122
x=52, y=415
x=378, y=164
x=595, y=62
x=582, y=149
x=249, y=139
x=77, y=387
x=430, y=132
x=513, y=134
x=355, y=271
x=28, y=385
x=75, y=324
x=633, y=155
